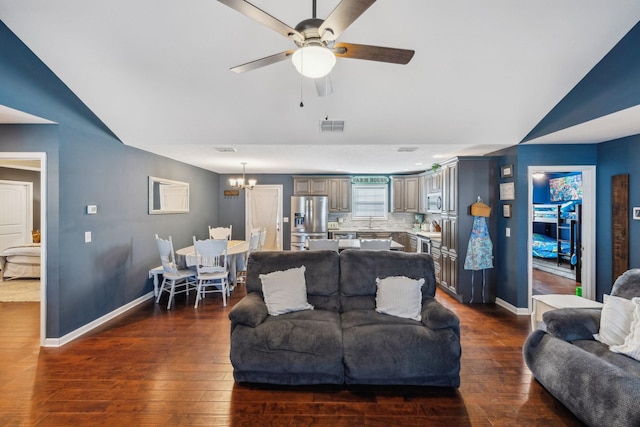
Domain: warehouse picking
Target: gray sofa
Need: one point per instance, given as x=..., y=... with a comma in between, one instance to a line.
x=344, y=340
x=600, y=387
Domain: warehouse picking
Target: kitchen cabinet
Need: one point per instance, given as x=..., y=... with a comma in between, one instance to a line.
x=339, y=194
x=338, y=188
x=405, y=193
x=436, y=254
x=434, y=182
x=450, y=189
x=464, y=179
x=310, y=186
x=411, y=243
x=373, y=235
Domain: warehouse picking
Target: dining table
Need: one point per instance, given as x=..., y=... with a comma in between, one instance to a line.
x=186, y=258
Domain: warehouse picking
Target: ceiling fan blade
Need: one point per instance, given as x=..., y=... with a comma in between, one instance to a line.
x=324, y=85
x=262, y=62
x=373, y=53
x=263, y=17
x=342, y=16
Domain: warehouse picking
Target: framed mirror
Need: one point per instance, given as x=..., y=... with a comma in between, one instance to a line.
x=167, y=196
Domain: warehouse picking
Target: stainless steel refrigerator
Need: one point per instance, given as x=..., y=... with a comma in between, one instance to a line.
x=309, y=216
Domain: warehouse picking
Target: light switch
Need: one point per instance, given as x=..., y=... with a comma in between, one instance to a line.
x=285, y=219
x=92, y=209
x=508, y=232
x=87, y=237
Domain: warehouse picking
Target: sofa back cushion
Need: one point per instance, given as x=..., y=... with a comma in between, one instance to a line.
x=627, y=285
x=321, y=274
x=359, y=270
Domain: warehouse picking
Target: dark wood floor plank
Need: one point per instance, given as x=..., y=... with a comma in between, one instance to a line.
x=153, y=367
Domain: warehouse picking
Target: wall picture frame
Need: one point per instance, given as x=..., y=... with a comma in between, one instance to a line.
x=507, y=191
x=506, y=171
x=506, y=210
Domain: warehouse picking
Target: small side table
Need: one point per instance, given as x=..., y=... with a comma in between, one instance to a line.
x=544, y=303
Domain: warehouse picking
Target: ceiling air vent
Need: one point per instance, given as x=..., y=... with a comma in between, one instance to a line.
x=226, y=149
x=331, y=126
x=407, y=149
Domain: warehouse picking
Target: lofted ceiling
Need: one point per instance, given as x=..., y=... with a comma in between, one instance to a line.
x=483, y=76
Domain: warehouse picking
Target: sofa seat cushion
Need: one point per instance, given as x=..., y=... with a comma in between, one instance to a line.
x=303, y=347
x=383, y=349
x=602, y=351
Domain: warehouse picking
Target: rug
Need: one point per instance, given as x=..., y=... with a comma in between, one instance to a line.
x=19, y=290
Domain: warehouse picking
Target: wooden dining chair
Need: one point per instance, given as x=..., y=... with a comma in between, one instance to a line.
x=212, y=268
x=241, y=274
x=175, y=280
x=220, y=233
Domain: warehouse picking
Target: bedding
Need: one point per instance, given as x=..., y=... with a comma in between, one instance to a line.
x=547, y=247
x=20, y=261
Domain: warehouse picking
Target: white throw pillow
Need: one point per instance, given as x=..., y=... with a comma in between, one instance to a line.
x=631, y=345
x=285, y=291
x=399, y=296
x=615, y=321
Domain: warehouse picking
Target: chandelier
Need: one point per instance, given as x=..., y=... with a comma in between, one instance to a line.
x=242, y=183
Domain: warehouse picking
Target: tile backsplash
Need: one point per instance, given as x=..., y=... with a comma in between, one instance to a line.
x=398, y=221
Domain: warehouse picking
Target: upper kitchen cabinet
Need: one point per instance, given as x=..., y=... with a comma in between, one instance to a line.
x=339, y=194
x=405, y=193
x=338, y=188
x=310, y=186
x=450, y=188
x=428, y=183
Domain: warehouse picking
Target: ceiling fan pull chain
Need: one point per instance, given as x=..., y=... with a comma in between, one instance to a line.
x=326, y=97
x=301, y=103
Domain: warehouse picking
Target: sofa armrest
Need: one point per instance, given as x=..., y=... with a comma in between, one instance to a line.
x=250, y=311
x=436, y=316
x=570, y=324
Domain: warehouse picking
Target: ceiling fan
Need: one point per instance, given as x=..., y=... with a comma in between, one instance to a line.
x=315, y=38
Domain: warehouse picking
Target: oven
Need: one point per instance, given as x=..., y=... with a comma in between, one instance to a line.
x=424, y=244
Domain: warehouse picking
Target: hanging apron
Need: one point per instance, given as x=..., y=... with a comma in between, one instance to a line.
x=479, y=252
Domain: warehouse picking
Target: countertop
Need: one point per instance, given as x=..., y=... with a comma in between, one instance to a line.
x=416, y=232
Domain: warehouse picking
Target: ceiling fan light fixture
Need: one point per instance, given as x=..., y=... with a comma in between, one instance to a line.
x=313, y=61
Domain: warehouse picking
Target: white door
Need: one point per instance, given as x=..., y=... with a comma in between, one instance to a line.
x=16, y=213
x=264, y=210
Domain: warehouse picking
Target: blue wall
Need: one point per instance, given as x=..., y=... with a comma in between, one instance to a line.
x=511, y=255
x=87, y=164
x=615, y=158
x=612, y=85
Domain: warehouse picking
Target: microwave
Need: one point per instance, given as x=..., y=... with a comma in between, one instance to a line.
x=434, y=202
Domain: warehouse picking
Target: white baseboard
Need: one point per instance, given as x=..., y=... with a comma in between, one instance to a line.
x=515, y=310
x=59, y=342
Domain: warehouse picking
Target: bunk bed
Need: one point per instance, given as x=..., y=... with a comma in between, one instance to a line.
x=562, y=234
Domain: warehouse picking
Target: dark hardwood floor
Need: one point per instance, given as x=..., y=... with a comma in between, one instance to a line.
x=548, y=283
x=153, y=367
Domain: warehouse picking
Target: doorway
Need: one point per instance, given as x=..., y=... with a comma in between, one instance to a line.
x=39, y=160
x=16, y=212
x=587, y=232
x=263, y=209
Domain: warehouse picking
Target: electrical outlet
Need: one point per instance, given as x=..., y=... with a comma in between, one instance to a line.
x=508, y=232
x=87, y=237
